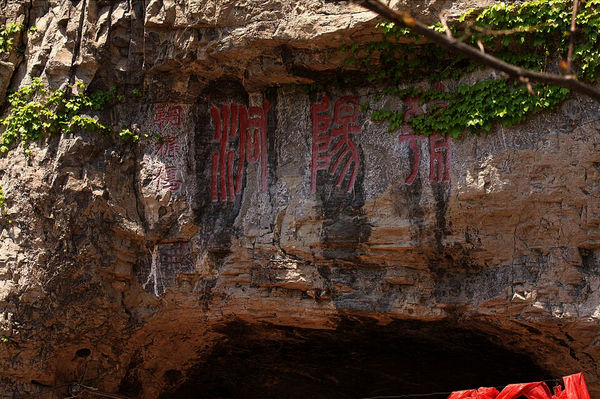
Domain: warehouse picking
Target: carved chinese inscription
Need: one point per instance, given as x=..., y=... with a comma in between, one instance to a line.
x=168, y=261
x=439, y=158
x=168, y=115
x=176, y=257
x=167, y=178
x=332, y=147
x=414, y=147
x=168, y=149
x=249, y=126
x=440, y=149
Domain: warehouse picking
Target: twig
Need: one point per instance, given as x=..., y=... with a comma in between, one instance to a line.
x=506, y=32
x=403, y=18
x=445, y=24
x=480, y=45
x=76, y=388
x=572, y=36
x=528, y=85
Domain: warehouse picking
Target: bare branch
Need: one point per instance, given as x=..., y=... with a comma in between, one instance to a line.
x=480, y=45
x=445, y=25
x=572, y=36
x=519, y=29
x=403, y=18
x=528, y=85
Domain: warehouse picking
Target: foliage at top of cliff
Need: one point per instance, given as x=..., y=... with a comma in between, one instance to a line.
x=533, y=35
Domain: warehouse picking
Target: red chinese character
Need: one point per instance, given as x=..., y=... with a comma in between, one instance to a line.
x=169, y=180
x=219, y=160
x=440, y=103
x=169, y=114
x=169, y=147
x=414, y=109
x=439, y=158
x=344, y=153
x=439, y=149
x=252, y=125
x=412, y=143
x=439, y=146
x=320, y=144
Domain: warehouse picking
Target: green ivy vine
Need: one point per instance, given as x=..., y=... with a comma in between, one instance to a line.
x=6, y=36
x=533, y=35
x=4, y=219
x=36, y=113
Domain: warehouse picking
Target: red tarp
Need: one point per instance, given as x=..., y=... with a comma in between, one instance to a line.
x=575, y=388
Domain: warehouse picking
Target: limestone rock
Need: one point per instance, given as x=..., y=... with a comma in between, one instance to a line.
x=228, y=246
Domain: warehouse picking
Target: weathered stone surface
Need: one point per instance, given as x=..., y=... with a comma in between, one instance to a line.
x=154, y=270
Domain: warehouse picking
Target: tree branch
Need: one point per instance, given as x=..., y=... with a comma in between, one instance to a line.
x=572, y=36
x=403, y=18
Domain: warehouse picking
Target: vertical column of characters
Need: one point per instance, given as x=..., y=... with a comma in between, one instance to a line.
x=440, y=149
x=251, y=125
x=332, y=141
x=168, y=148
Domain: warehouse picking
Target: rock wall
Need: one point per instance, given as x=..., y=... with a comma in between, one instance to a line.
x=254, y=216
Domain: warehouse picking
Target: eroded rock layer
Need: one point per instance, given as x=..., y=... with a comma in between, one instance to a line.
x=265, y=242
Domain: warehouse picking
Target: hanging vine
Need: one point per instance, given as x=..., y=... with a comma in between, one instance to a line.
x=6, y=36
x=36, y=113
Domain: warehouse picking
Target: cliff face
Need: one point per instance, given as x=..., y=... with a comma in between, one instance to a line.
x=275, y=243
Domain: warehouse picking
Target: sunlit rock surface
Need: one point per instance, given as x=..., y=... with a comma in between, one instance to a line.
x=264, y=242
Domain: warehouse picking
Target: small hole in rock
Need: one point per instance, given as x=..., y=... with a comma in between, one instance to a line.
x=83, y=352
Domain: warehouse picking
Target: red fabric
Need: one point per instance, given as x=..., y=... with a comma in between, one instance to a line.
x=531, y=390
x=463, y=394
x=481, y=393
x=559, y=393
x=575, y=388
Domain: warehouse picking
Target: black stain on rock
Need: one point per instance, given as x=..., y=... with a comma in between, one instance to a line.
x=441, y=195
x=216, y=217
x=443, y=259
x=358, y=288
x=447, y=260
x=272, y=123
x=451, y=261
x=172, y=377
x=589, y=260
x=456, y=284
x=407, y=204
x=345, y=226
x=172, y=259
x=204, y=290
x=130, y=384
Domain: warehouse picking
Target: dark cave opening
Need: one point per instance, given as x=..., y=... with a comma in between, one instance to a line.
x=356, y=360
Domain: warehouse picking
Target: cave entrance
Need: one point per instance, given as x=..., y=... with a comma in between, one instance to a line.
x=356, y=360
